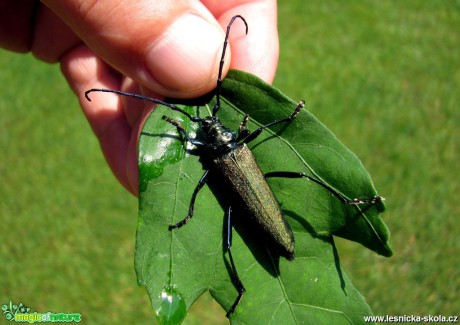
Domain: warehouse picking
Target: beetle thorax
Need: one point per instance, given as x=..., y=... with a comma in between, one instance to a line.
x=220, y=138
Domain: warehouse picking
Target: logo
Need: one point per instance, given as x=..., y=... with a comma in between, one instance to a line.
x=21, y=313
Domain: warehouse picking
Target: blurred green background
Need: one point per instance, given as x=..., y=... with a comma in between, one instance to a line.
x=383, y=75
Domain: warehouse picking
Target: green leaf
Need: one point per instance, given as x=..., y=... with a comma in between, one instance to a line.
x=315, y=149
x=177, y=266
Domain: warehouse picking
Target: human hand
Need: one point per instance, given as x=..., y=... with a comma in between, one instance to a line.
x=156, y=48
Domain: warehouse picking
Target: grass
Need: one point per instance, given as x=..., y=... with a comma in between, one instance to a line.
x=383, y=75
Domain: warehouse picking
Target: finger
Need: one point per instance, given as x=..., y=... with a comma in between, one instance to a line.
x=258, y=51
x=105, y=114
x=52, y=38
x=16, y=19
x=169, y=47
x=133, y=107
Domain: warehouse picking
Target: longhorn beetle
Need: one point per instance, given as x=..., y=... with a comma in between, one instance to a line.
x=231, y=157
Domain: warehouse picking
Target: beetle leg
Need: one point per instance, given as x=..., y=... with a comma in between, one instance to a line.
x=201, y=183
x=236, y=278
x=182, y=131
x=243, y=131
x=244, y=123
x=284, y=174
x=256, y=133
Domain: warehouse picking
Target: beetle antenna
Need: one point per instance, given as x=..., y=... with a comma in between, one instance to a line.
x=221, y=65
x=148, y=99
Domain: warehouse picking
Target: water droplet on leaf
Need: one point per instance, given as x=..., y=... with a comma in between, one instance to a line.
x=172, y=308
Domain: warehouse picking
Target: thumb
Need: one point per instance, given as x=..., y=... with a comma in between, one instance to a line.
x=170, y=47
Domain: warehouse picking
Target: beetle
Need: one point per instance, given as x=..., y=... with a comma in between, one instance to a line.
x=230, y=156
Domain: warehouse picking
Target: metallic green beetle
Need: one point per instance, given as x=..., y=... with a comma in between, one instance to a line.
x=231, y=157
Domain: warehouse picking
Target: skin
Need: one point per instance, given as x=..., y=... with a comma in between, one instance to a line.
x=156, y=48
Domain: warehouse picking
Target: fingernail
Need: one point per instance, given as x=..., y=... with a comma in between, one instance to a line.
x=186, y=57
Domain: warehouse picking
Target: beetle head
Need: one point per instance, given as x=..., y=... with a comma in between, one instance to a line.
x=219, y=137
